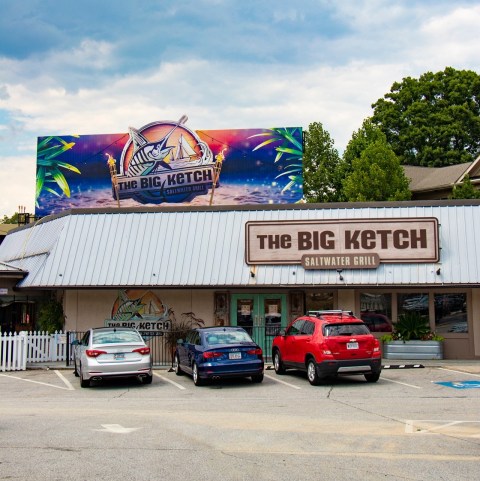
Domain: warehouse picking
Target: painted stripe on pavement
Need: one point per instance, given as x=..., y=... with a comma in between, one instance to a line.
x=170, y=381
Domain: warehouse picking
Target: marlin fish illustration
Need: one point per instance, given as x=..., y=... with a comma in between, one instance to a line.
x=128, y=308
x=147, y=157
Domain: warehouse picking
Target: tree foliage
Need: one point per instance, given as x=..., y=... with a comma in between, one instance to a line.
x=432, y=121
x=465, y=190
x=10, y=220
x=376, y=176
x=322, y=166
x=51, y=317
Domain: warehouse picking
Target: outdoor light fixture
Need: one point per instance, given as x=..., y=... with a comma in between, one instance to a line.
x=438, y=271
x=340, y=277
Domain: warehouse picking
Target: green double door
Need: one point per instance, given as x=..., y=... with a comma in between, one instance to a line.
x=261, y=315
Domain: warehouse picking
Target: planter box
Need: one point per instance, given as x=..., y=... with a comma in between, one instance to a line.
x=413, y=350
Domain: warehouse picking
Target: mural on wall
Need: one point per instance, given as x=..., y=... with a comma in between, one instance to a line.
x=145, y=311
x=142, y=310
x=168, y=163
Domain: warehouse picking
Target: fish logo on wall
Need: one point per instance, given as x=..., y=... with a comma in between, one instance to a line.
x=164, y=162
x=142, y=310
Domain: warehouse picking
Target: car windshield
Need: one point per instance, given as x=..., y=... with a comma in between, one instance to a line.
x=347, y=329
x=227, y=337
x=115, y=337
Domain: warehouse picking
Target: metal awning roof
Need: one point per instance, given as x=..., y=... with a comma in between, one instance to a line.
x=205, y=247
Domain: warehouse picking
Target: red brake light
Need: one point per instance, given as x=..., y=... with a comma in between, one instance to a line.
x=143, y=350
x=211, y=354
x=255, y=352
x=94, y=352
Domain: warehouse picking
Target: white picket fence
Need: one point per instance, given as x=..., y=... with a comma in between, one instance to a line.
x=18, y=349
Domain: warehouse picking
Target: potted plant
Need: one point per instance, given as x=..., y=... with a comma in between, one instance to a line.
x=180, y=329
x=412, y=338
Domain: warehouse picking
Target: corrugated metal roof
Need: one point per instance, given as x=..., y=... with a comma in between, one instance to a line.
x=205, y=247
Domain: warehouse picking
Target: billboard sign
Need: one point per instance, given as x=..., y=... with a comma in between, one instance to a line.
x=166, y=163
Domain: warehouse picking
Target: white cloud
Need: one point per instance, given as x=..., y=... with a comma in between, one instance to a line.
x=382, y=42
x=17, y=184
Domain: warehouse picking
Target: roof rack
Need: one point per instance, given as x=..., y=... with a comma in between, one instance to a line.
x=338, y=312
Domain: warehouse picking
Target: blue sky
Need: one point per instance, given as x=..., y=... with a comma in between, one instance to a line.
x=95, y=67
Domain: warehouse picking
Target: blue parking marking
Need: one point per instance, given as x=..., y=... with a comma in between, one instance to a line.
x=461, y=384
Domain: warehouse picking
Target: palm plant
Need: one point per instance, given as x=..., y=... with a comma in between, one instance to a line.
x=48, y=166
x=291, y=147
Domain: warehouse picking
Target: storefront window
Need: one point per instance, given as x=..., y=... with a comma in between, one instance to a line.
x=413, y=303
x=319, y=301
x=451, y=313
x=376, y=311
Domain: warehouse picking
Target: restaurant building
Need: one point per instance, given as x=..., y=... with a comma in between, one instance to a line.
x=258, y=266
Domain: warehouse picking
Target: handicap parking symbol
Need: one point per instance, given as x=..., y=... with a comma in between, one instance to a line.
x=461, y=384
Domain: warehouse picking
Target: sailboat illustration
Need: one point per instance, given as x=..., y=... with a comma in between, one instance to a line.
x=185, y=151
x=148, y=156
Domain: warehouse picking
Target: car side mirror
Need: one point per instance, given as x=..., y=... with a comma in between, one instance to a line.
x=75, y=342
x=283, y=332
x=180, y=341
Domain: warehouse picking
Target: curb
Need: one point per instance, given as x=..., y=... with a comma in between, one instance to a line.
x=403, y=366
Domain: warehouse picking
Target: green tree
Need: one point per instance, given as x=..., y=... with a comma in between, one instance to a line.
x=376, y=176
x=465, y=190
x=322, y=166
x=51, y=317
x=10, y=220
x=432, y=121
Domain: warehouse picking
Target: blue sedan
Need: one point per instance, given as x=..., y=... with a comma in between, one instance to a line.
x=210, y=353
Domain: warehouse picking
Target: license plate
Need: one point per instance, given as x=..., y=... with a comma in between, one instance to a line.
x=352, y=345
x=119, y=357
x=234, y=355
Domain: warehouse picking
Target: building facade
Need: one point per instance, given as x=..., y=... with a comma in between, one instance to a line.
x=256, y=266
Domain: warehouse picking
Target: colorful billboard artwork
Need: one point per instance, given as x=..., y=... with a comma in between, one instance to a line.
x=166, y=163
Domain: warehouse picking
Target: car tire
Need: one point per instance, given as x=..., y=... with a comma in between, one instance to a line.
x=277, y=363
x=257, y=379
x=147, y=379
x=312, y=373
x=197, y=380
x=373, y=377
x=83, y=382
x=176, y=365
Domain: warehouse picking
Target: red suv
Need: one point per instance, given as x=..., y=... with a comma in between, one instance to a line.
x=327, y=344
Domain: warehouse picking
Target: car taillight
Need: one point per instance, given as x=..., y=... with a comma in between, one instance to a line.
x=142, y=350
x=212, y=354
x=324, y=349
x=94, y=352
x=255, y=352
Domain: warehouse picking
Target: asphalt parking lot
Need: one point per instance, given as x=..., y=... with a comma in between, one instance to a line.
x=415, y=423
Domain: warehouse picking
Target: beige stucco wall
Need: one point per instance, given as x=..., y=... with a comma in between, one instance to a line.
x=476, y=321
x=90, y=308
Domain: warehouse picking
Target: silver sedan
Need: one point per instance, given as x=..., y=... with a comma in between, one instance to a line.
x=108, y=352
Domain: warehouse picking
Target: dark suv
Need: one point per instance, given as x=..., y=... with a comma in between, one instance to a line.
x=328, y=344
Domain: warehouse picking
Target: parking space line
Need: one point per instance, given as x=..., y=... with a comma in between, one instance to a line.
x=282, y=382
x=398, y=382
x=35, y=382
x=170, y=381
x=459, y=372
x=65, y=380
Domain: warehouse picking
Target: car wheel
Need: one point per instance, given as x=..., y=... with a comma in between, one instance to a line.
x=176, y=366
x=374, y=377
x=196, y=378
x=258, y=378
x=83, y=382
x=147, y=379
x=277, y=363
x=312, y=374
